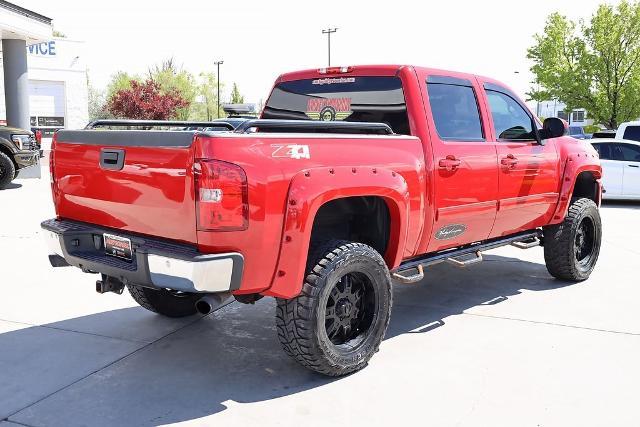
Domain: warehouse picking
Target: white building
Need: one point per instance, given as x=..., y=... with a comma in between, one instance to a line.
x=58, y=94
x=577, y=117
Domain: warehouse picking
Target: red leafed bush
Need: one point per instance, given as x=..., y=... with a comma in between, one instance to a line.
x=145, y=101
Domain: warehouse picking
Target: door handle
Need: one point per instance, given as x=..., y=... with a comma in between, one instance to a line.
x=633, y=166
x=449, y=163
x=111, y=159
x=510, y=161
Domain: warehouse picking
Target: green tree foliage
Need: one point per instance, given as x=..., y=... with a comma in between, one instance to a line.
x=206, y=107
x=97, y=103
x=172, y=78
x=236, y=97
x=593, y=65
x=120, y=81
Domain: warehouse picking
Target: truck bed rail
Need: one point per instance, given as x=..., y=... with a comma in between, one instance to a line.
x=155, y=123
x=312, y=126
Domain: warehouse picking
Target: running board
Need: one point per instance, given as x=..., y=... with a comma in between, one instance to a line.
x=527, y=244
x=463, y=256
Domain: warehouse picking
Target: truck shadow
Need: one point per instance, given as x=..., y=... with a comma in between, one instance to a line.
x=12, y=186
x=227, y=358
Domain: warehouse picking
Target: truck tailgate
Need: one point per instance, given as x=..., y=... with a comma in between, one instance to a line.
x=139, y=181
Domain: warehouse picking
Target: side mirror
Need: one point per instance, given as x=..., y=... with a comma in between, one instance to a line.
x=552, y=128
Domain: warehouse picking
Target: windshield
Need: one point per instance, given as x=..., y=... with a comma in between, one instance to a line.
x=352, y=99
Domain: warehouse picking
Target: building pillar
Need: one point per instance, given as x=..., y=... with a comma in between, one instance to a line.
x=16, y=82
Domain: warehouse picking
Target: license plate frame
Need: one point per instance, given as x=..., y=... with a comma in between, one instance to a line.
x=117, y=246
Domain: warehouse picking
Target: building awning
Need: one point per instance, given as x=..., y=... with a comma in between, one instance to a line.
x=23, y=24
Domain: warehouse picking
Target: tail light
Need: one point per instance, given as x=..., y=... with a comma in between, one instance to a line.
x=221, y=196
x=39, y=136
x=52, y=161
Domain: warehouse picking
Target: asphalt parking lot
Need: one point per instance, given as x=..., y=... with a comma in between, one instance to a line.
x=497, y=344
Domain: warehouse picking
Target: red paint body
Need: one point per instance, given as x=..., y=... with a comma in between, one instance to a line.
x=154, y=193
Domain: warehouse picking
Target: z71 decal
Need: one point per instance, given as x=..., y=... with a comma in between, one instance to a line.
x=292, y=151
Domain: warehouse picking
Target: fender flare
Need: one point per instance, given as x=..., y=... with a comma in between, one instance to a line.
x=312, y=188
x=574, y=166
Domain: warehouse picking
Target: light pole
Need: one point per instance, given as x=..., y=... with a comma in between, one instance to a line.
x=328, y=32
x=218, y=64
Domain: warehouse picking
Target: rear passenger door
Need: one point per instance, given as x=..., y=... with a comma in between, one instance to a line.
x=631, y=164
x=612, y=168
x=529, y=172
x=465, y=165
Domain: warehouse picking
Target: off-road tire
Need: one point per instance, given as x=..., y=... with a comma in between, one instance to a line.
x=7, y=171
x=165, y=302
x=560, y=242
x=302, y=321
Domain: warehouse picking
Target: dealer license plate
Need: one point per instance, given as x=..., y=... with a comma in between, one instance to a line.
x=117, y=246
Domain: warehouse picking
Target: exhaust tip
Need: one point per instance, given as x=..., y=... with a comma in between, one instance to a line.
x=203, y=307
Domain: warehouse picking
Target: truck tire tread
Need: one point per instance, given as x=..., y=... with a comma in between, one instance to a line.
x=161, y=301
x=10, y=171
x=558, y=242
x=295, y=316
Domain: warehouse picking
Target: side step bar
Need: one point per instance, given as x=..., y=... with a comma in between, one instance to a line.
x=463, y=256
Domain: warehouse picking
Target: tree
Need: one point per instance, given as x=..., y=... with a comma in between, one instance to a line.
x=206, y=107
x=592, y=65
x=97, y=104
x=145, y=101
x=236, y=97
x=120, y=81
x=172, y=78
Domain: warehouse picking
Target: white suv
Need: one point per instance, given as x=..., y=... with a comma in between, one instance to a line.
x=620, y=160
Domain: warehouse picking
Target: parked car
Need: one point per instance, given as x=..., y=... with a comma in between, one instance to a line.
x=353, y=176
x=629, y=131
x=18, y=149
x=620, y=160
x=578, y=132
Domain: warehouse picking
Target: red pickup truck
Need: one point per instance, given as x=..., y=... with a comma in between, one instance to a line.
x=353, y=176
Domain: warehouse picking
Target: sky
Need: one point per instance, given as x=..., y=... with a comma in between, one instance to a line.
x=258, y=40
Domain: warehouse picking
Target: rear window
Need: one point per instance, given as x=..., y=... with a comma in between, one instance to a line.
x=455, y=112
x=348, y=98
x=632, y=133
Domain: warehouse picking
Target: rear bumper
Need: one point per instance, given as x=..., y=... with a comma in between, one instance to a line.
x=155, y=263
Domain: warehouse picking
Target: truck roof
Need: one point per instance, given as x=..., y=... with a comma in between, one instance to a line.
x=372, y=70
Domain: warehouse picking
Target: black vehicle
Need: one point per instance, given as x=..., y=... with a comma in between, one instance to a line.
x=604, y=134
x=18, y=149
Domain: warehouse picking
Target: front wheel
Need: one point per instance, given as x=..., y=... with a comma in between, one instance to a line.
x=7, y=171
x=339, y=319
x=571, y=248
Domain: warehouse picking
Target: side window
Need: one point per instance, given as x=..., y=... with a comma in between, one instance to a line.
x=604, y=150
x=455, y=112
x=630, y=153
x=511, y=121
x=632, y=133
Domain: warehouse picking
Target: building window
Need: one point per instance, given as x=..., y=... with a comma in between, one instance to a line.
x=562, y=115
x=577, y=116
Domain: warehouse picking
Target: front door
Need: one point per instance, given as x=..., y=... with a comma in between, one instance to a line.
x=465, y=171
x=528, y=176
